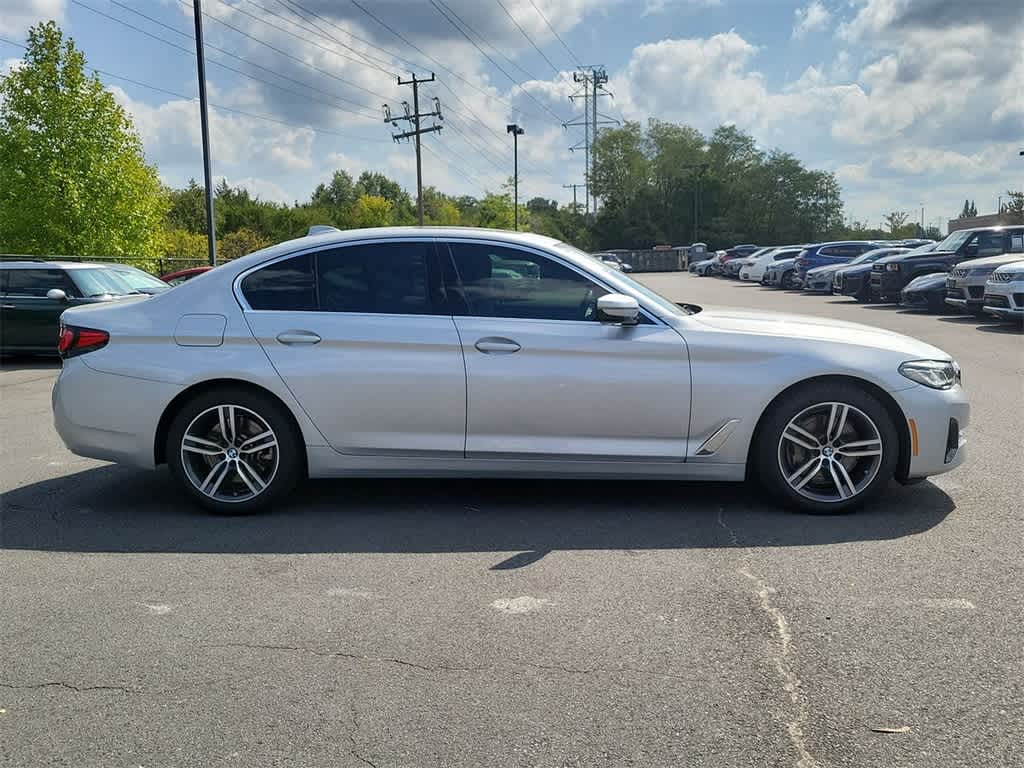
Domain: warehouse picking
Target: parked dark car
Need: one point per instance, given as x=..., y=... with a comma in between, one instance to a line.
x=33, y=294
x=839, y=252
x=821, y=279
x=855, y=279
x=926, y=292
x=890, y=275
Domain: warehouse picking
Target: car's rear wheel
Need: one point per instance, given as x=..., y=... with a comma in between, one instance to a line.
x=826, y=448
x=233, y=450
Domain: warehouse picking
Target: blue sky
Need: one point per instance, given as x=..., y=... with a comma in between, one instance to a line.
x=910, y=102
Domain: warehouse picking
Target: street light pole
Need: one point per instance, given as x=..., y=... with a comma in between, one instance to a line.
x=211, y=238
x=516, y=132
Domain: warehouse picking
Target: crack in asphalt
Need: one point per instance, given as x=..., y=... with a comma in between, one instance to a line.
x=791, y=682
x=70, y=687
x=733, y=538
x=354, y=749
x=449, y=667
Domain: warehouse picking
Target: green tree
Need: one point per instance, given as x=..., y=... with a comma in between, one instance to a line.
x=371, y=211
x=895, y=220
x=73, y=177
x=495, y=211
x=1013, y=209
x=339, y=194
x=240, y=242
x=969, y=210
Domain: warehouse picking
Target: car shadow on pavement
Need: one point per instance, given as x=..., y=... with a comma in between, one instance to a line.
x=119, y=509
x=25, y=363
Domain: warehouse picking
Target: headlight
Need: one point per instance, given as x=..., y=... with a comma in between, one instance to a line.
x=892, y=267
x=937, y=374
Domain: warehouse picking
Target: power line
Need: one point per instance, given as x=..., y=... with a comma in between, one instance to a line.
x=363, y=59
x=458, y=169
x=288, y=55
x=483, y=40
x=528, y=38
x=292, y=5
x=488, y=57
x=430, y=58
x=192, y=52
x=303, y=39
x=573, y=56
x=158, y=89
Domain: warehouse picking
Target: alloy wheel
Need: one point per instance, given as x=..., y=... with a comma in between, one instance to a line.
x=830, y=452
x=229, y=453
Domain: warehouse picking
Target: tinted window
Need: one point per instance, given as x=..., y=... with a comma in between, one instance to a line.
x=283, y=285
x=34, y=282
x=384, y=278
x=990, y=243
x=495, y=281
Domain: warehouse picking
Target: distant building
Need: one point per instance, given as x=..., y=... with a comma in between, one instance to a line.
x=970, y=222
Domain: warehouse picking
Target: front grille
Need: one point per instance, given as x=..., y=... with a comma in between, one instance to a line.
x=976, y=291
x=1002, y=277
x=995, y=300
x=960, y=272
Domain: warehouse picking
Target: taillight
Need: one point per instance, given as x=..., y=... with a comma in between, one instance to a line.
x=77, y=341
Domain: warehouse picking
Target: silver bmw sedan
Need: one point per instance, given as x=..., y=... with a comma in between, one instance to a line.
x=473, y=353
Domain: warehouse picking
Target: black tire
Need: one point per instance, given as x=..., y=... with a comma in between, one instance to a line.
x=767, y=454
x=290, y=456
x=786, y=283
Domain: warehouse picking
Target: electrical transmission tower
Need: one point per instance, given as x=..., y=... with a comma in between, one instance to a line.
x=591, y=82
x=413, y=117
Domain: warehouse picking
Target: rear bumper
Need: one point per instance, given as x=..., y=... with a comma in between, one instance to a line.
x=130, y=410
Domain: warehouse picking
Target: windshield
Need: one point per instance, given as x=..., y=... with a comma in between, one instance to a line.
x=617, y=278
x=954, y=241
x=100, y=282
x=141, y=281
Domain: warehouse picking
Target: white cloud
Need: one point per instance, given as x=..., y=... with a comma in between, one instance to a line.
x=653, y=7
x=16, y=16
x=810, y=19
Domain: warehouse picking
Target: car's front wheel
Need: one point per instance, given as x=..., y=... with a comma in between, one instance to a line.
x=787, y=281
x=234, y=450
x=826, y=448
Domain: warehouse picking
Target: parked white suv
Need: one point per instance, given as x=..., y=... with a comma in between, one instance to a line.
x=1004, y=292
x=755, y=267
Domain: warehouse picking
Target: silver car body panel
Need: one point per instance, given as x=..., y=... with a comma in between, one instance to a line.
x=416, y=395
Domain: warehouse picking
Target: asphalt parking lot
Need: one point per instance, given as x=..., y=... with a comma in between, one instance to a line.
x=457, y=623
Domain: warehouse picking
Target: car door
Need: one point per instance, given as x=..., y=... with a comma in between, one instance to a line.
x=360, y=335
x=30, y=320
x=546, y=377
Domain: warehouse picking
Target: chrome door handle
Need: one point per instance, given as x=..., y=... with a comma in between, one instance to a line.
x=298, y=337
x=497, y=345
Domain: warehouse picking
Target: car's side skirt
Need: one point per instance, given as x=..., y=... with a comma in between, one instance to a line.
x=324, y=462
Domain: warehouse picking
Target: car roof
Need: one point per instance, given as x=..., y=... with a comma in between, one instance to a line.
x=44, y=264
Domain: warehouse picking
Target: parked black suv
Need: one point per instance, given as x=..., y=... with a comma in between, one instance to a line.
x=889, y=275
x=33, y=294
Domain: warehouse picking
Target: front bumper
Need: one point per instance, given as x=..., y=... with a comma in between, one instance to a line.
x=886, y=283
x=851, y=285
x=1005, y=300
x=818, y=285
x=937, y=420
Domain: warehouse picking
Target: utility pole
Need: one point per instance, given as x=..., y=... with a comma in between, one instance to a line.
x=414, y=118
x=591, y=87
x=211, y=238
x=574, y=187
x=516, y=132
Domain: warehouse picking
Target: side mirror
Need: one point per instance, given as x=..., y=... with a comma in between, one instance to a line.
x=972, y=249
x=618, y=307
x=56, y=294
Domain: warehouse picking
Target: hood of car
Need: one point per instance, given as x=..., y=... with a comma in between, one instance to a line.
x=929, y=282
x=912, y=256
x=991, y=262
x=858, y=268
x=806, y=327
x=823, y=270
x=782, y=263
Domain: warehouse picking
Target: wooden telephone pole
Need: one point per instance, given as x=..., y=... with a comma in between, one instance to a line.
x=414, y=118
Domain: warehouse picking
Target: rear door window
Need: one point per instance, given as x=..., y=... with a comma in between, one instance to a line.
x=390, y=278
x=990, y=243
